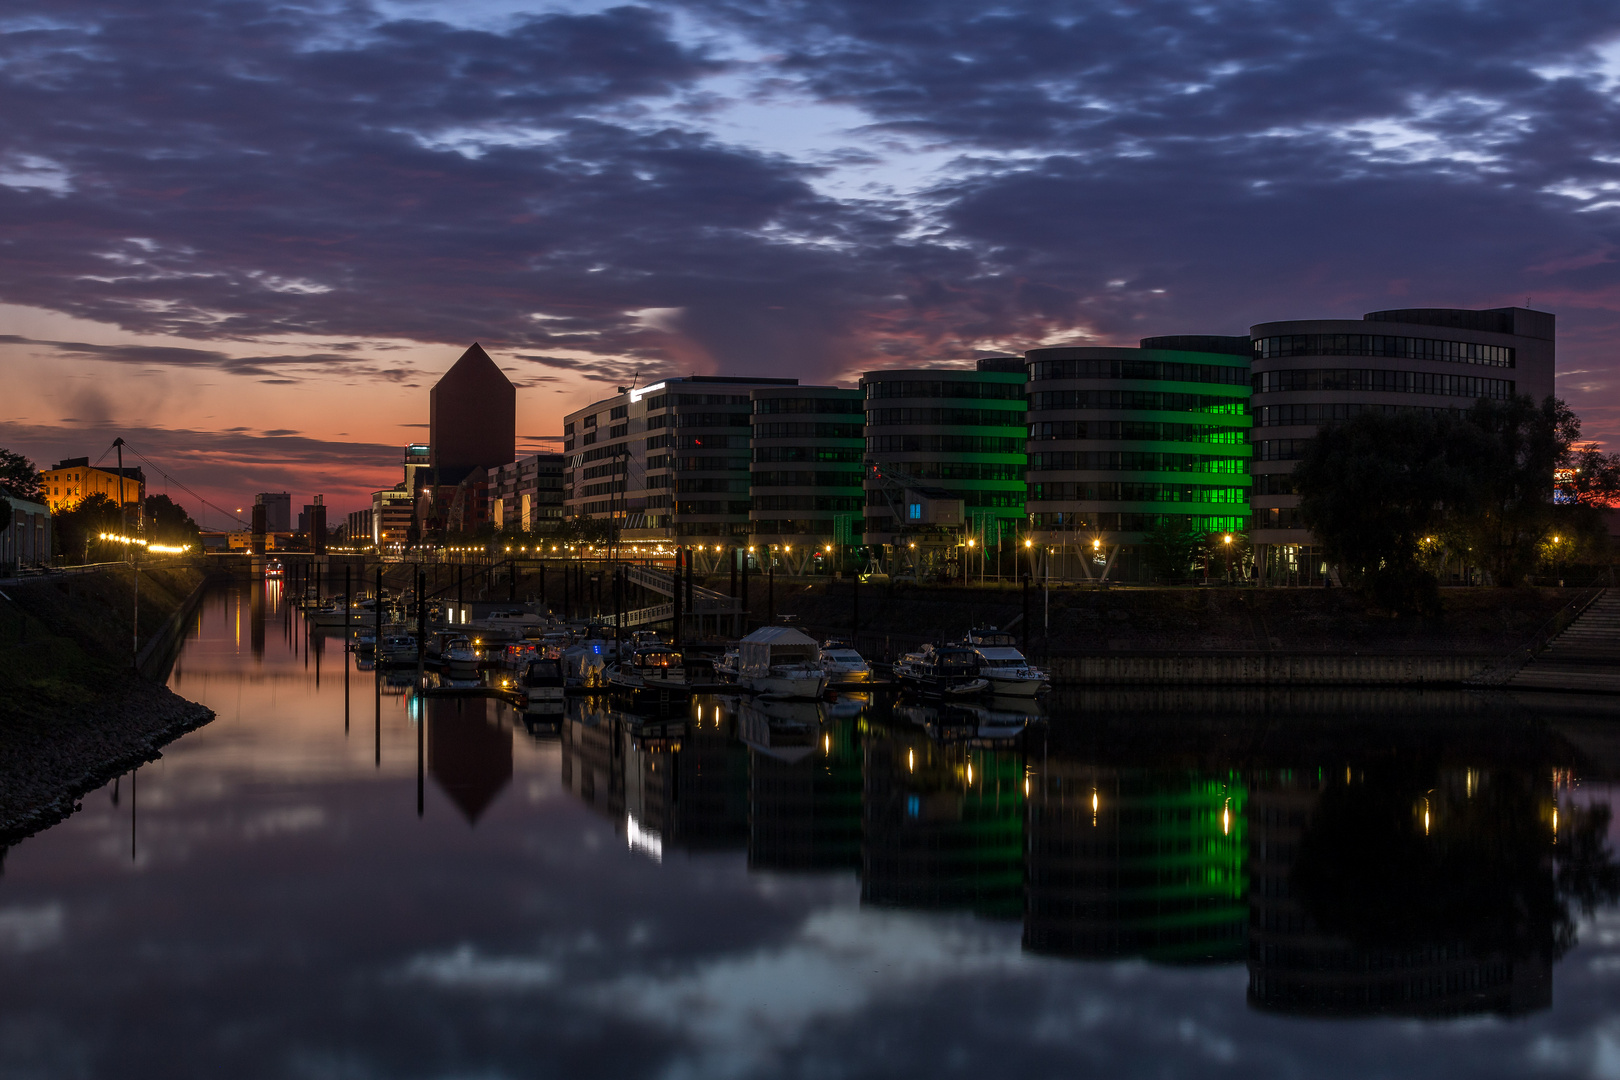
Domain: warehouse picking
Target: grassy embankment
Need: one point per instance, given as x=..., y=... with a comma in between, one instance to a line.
x=73, y=712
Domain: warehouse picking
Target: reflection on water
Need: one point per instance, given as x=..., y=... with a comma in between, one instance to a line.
x=1148, y=881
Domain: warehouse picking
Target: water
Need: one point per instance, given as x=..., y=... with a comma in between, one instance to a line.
x=329, y=881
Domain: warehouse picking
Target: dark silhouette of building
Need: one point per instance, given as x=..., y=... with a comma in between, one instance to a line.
x=472, y=418
x=805, y=814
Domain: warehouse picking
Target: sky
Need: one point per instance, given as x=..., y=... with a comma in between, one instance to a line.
x=247, y=236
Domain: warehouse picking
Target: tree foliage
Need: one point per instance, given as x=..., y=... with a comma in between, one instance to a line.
x=1393, y=497
x=76, y=529
x=168, y=523
x=1172, y=548
x=19, y=478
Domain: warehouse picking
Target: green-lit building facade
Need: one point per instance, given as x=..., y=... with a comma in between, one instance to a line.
x=1126, y=442
x=805, y=485
x=955, y=433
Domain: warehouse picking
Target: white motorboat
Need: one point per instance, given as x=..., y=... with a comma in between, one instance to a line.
x=842, y=664
x=1010, y=673
x=398, y=649
x=725, y=668
x=512, y=622
x=461, y=659
x=781, y=662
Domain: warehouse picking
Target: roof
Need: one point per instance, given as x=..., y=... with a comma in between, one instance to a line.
x=779, y=635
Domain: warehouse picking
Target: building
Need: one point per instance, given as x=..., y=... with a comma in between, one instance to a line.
x=806, y=484
x=76, y=479
x=1422, y=359
x=945, y=456
x=667, y=460
x=359, y=529
x=277, y=511
x=527, y=494
x=25, y=535
x=472, y=418
x=1127, y=441
x=393, y=518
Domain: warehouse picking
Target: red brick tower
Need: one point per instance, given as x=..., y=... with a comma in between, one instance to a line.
x=472, y=418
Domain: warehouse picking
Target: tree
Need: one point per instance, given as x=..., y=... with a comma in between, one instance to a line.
x=1372, y=489
x=19, y=478
x=1172, y=545
x=1514, y=462
x=169, y=523
x=77, y=528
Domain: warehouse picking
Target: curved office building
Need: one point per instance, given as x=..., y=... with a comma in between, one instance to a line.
x=1122, y=441
x=948, y=433
x=805, y=484
x=1313, y=372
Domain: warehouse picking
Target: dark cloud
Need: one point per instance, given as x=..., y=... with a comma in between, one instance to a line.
x=555, y=188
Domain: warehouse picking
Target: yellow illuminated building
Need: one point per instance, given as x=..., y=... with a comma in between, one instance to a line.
x=75, y=479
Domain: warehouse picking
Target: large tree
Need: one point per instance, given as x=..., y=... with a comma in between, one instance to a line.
x=168, y=522
x=19, y=478
x=1518, y=449
x=77, y=529
x=1374, y=488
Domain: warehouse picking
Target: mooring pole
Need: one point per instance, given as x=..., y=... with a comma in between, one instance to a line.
x=676, y=601
x=348, y=610
x=854, y=608
x=377, y=617
x=1025, y=621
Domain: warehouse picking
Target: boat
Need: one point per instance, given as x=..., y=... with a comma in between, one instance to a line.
x=842, y=664
x=585, y=664
x=725, y=668
x=1009, y=671
x=515, y=655
x=461, y=659
x=363, y=641
x=397, y=649
x=657, y=668
x=543, y=686
x=513, y=622
x=781, y=662
x=950, y=671
x=784, y=730
x=273, y=568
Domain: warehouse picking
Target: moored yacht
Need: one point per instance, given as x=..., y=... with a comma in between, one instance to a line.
x=842, y=664
x=946, y=671
x=782, y=662
x=657, y=668
x=1010, y=673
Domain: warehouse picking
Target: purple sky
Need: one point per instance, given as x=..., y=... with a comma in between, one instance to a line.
x=223, y=223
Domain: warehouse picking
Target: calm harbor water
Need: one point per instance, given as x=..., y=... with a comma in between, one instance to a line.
x=337, y=879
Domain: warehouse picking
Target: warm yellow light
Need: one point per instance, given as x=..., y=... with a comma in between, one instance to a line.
x=911, y=761
x=1029, y=543
x=970, y=772
x=1228, y=538
x=826, y=743
x=970, y=543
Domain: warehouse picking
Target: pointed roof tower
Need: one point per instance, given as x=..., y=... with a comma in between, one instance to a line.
x=472, y=417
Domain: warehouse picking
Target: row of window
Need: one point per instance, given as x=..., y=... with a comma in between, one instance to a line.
x=808, y=431
x=807, y=453
x=713, y=506
x=1136, y=461
x=714, y=419
x=806, y=479
x=1128, y=522
x=1406, y=348
x=609, y=488
x=1151, y=430
x=946, y=417
x=712, y=464
x=1164, y=401
x=808, y=405
x=943, y=444
x=712, y=485
x=1372, y=380
x=788, y=503
x=964, y=470
x=1280, y=449
x=795, y=526
x=1275, y=483
x=714, y=442
x=612, y=468
x=1293, y=415
x=926, y=388
x=970, y=498
x=1129, y=491
x=1138, y=369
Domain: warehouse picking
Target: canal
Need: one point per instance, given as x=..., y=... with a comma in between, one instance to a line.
x=336, y=878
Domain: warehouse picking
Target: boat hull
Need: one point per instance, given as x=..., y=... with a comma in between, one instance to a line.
x=797, y=686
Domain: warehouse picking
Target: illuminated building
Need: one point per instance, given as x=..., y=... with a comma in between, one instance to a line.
x=1123, y=441
x=667, y=460
x=806, y=479
x=75, y=479
x=958, y=431
x=527, y=494
x=1307, y=373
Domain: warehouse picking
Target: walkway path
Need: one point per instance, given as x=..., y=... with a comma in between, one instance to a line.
x=1585, y=657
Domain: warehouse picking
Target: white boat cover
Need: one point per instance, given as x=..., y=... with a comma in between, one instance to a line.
x=990, y=652
x=773, y=646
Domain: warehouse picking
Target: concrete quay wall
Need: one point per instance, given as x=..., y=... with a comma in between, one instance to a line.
x=1269, y=669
